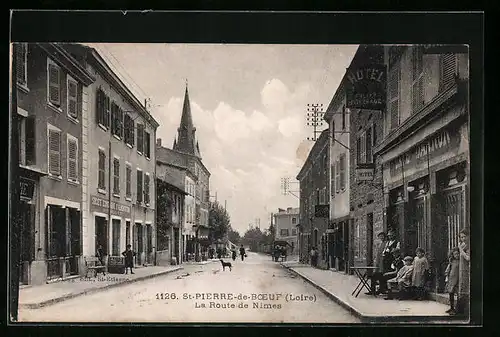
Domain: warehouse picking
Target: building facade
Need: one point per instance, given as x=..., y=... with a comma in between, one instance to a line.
x=314, y=202
x=425, y=150
x=119, y=169
x=285, y=223
x=196, y=229
x=50, y=95
x=339, y=231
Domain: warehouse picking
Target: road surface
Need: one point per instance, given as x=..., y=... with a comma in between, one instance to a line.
x=256, y=290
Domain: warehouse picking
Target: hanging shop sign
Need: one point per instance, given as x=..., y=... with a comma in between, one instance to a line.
x=322, y=211
x=102, y=205
x=366, y=87
x=27, y=188
x=365, y=172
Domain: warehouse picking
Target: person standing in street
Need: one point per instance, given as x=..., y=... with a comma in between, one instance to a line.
x=452, y=278
x=391, y=245
x=379, y=272
x=314, y=257
x=233, y=253
x=129, y=259
x=462, y=307
x=242, y=253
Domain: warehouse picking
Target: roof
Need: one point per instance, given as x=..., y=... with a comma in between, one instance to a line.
x=170, y=157
x=321, y=141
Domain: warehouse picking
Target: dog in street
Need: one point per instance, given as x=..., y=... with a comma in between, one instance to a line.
x=226, y=264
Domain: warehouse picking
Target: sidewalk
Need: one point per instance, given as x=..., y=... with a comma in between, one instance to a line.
x=35, y=297
x=339, y=286
x=201, y=262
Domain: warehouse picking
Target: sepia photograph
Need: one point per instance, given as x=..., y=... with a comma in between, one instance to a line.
x=240, y=183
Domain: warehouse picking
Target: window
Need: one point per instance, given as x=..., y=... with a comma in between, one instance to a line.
x=447, y=70
x=147, y=144
x=139, y=186
x=321, y=197
x=284, y=232
x=101, y=182
x=294, y=221
x=127, y=232
x=72, y=159
x=342, y=163
x=146, y=189
x=116, y=120
x=54, y=146
x=53, y=83
x=394, y=78
x=140, y=138
x=115, y=250
x=21, y=55
x=103, y=108
x=116, y=176
x=128, y=178
x=332, y=180
x=72, y=97
x=294, y=232
x=417, y=88
x=343, y=117
x=27, y=141
x=129, y=130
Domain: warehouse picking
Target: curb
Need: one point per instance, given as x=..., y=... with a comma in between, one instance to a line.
x=375, y=319
x=93, y=290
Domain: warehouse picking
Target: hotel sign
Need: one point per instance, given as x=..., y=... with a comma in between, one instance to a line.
x=366, y=88
x=365, y=172
x=103, y=205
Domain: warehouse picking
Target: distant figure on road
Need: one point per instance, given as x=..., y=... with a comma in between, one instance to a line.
x=233, y=253
x=314, y=256
x=129, y=259
x=242, y=253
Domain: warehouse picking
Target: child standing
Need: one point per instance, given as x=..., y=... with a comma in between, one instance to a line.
x=452, y=274
x=129, y=259
x=420, y=269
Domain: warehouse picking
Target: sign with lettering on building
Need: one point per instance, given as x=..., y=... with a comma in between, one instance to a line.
x=102, y=205
x=366, y=87
x=27, y=188
x=365, y=172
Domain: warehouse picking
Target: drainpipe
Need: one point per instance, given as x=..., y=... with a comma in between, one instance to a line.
x=109, y=195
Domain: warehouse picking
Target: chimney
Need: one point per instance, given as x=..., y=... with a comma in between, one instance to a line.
x=158, y=142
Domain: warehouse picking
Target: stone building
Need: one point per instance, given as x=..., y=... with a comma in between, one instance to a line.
x=314, y=202
x=425, y=149
x=285, y=222
x=51, y=86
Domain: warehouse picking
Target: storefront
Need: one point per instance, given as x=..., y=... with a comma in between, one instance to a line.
x=338, y=244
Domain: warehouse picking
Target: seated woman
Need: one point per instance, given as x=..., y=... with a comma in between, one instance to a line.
x=402, y=283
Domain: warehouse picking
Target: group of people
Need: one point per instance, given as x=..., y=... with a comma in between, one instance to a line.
x=408, y=277
x=279, y=251
x=243, y=253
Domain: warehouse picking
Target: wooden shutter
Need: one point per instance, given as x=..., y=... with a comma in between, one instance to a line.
x=147, y=144
x=139, y=186
x=140, y=138
x=418, y=78
x=116, y=176
x=72, y=98
x=30, y=143
x=54, y=84
x=448, y=70
x=394, y=77
x=342, y=171
x=55, y=152
x=337, y=177
x=102, y=170
x=72, y=160
x=107, y=112
x=132, y=132
x=146, y=188
x=98, y=106
x=128, y=179
x=332, y=180
x=21, y=50
x=368, y=139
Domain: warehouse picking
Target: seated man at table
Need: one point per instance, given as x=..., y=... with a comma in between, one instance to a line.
x=402, y=283
x=388, y=273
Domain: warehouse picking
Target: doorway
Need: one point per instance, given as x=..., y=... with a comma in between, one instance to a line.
x=101, y=234
x=56, y=240
x=27, y=250
x=176, y=247
x=149, y=244
x=138, y=243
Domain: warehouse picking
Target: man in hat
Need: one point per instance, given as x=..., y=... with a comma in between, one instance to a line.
x=391, y=245
x=379, y=272
x=402, y=281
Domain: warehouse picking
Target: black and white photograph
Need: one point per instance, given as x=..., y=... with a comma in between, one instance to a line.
x=240, y=183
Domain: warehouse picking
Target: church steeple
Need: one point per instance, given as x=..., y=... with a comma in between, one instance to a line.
x=186, y=140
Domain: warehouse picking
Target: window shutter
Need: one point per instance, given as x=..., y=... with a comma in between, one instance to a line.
x=337, y=177
x=128, y=179
x=358, y=150
x=102, y=170
x=55, y=152
x=448, y=71
x=120, y=123
x=132, y=132
x=107, y=113
x=394, y=96
x=30, y=140
x=72, y=98
x=417, y=85
x=116, y=176
x=98, y=106
x=147, y=143
x=332, y=180
x=368, y=139
x=146, y=189
x=139, y=186
x=140, y=138
x=72, y=160
x=20, y=54
x=54, y=84
x=342, y=171
x=374, y=134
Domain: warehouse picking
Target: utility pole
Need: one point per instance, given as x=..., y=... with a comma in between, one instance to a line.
x=14, y=197
x=315, y=119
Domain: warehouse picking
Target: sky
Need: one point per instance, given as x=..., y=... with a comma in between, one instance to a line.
x=249, y=106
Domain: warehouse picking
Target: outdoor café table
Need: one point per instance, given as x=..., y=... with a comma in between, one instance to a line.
x=362, y=274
